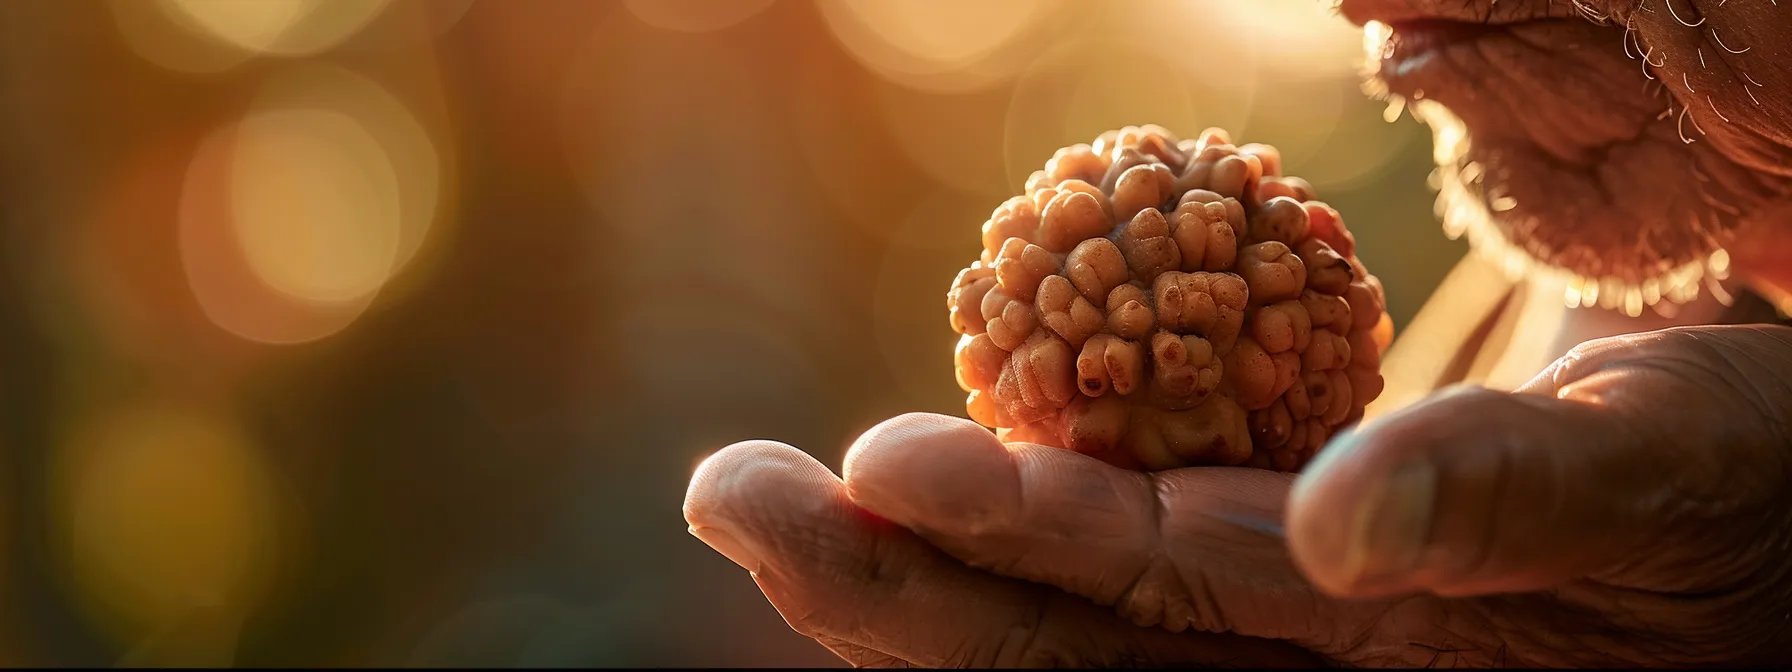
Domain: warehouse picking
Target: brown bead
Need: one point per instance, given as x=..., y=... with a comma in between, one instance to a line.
x=1204, y=237
x=1267, y=155
x=980, y=362
x=1066, y=312
x=1125, y=365
x=1327, y=225
x=1096, y=267
x=1015, y=218
x=1185, y=370
x=1095, y=425
x=1343, y=403
x=1145, y=186
x=1251, y=375
x=1327, y=312
x=1076, y=162
x=1013, y=326
x=1206, y=304
x=1365, y=305
x=1070, y=218
x=1281, y=327
x=1214, y=432
x=1271, y=270
x=1270, y=426
x=1327, y=271
x=1145, y=243
x=965, y=300
x=1280, y=219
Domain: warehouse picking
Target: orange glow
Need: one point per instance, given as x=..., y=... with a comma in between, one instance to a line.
x=314, y=204
x=403, y=145
x=1087, y=87
x=160, y=37
x=1300, y=39
x=278, y=27
x=940, y=45
x=295, y=217
x=695, y=16
x=227, y=286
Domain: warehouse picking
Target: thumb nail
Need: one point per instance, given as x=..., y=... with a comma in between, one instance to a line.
x=728, y=546
x=1391, y=525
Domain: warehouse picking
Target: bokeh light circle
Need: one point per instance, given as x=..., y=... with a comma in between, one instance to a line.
x=694, y=16
x=314, y=203
x=942, y=45
x=293, y=218
x=275, y=27
x=418, y=160
x=163, y=39
x=1086, y=87
x=163, y=510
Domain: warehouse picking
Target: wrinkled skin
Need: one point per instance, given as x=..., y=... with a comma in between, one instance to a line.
x=1631, y=506
x=1615, y=168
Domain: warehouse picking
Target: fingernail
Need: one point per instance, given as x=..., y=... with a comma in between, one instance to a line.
x=728, y=546
x=1392, y=525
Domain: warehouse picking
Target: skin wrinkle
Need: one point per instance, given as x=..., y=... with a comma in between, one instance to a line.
x=860, y=656
x=1612, y=123
x=1755, y=149
x=1204, y=610
x=1210, y=616
x=1128, y=598
x=1024, y=651
x=1610, y=177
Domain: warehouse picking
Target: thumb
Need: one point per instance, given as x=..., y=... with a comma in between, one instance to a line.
x=1595, y=469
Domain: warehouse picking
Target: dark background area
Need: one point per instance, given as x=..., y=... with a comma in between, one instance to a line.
x=388, y=332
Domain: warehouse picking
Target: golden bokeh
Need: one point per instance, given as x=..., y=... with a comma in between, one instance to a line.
x=941, y=45
x=1291, y=39
x=163, y=511
x=955, y=137
x=1086, y=87
x=275, y=27
x=939, y=235
x=695, y=16
x=293, y=218
x=314, y=204
x=160, y=37
x=228, y=288
x=418, y=161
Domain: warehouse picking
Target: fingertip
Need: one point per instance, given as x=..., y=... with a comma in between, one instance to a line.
x=1316, y=525
x=1344, y=496
x=922, y=470
x=755, y=485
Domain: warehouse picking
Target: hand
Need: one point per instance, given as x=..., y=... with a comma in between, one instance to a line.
x=1630, y=506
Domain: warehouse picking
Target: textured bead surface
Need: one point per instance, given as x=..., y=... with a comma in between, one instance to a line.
x=1160, y=303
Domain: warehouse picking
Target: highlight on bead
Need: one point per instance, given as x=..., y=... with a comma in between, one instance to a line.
x=1158, y=302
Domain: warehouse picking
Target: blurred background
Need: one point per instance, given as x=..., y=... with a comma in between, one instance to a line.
x=388, y=332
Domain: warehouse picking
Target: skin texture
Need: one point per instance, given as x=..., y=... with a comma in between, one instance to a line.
x=1631, y=506
x=1627, y=141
